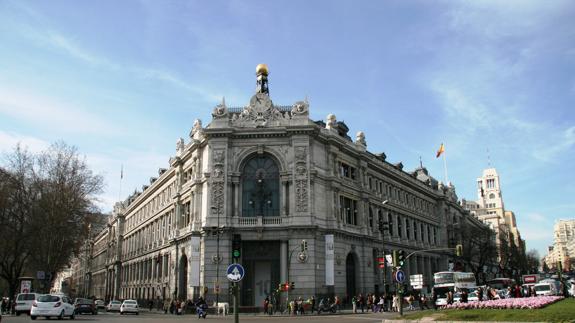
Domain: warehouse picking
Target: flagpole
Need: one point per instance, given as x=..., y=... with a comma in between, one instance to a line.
x=121, y=178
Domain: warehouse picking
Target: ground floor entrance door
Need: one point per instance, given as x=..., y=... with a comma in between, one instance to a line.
x=261, y=262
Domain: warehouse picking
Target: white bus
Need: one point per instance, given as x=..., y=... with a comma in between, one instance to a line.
x=453, y=281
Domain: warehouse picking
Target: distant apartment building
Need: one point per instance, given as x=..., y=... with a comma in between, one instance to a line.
x=563, y=249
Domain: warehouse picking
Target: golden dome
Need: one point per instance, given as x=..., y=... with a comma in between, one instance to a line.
x=262, y=69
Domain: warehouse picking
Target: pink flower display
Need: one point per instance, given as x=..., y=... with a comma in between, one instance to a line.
x=508, y=303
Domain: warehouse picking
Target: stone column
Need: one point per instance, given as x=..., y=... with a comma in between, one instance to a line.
x=283, y=260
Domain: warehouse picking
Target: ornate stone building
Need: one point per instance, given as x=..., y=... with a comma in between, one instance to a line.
x=269, y=176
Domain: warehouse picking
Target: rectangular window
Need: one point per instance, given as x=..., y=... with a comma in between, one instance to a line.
x=390, y=223
x=347, y=171
x=407, y=228
x=348, y=210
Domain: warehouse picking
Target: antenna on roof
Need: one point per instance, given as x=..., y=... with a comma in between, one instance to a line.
x=420, y=162
x=488, y=158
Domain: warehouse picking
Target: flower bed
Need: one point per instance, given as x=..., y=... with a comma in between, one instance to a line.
x=508, y=303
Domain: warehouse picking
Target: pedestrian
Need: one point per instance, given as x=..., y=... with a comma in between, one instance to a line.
x=423, y=302
x=449, y=297
x=266, y=304
x=395, y=303
x=464, y=297
x=166, y=305
x=312, y=302
x=361, y=302
x=150, y=305
x=173, y=307
x=434, y=299
x=4, y=305
x=354, y=304
x=381, y=303
x=410, y=300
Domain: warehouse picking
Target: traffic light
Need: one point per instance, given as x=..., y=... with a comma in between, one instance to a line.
x=292, y=286
x=303, y=246
x=400, y=257
x=383, y=226
x=286, y=288
x=395, y=258
x=236, y=247
x=458, y=250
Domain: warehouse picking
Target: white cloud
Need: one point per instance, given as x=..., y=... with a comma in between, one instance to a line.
x=9, y=140
x=563, y=142
x=536, y=217
x=51, y=113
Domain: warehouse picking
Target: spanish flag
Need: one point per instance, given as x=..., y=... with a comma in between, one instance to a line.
x=440, y=151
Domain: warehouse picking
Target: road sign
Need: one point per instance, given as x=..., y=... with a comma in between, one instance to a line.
x=399, y=276
x=235, y=273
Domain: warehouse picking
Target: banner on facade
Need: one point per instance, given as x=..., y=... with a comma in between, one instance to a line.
x=329, y=260
x=194, y=269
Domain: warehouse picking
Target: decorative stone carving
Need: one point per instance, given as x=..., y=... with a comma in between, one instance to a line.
x=220, y=111
x=218, y=179
x=301, y=179
x=180, y=146
x=197, y=132
x=300, y=108
x=330, y=121
x=360, y=138
x=259, y=113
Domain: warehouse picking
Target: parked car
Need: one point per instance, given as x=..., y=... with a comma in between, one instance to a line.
x=24, y=302
x=85, y=305
x=100, y=304
x=129, y=306
x=113, y=306
x=52, y=306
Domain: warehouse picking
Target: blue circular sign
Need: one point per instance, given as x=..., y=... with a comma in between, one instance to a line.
x=235, y=273
x=400, y=276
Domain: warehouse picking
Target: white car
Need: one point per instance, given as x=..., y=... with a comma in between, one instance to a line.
x=24, y=302
x=52, y=306
x=113, y=306
x=129, y=306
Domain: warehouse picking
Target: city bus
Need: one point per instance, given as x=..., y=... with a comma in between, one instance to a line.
x=453, y=281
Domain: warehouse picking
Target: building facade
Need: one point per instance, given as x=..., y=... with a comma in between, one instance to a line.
x=563, y=249
x=267, y=177
x=490, y=209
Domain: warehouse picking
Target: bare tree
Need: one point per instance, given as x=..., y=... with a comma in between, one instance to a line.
x=16, y=204
x=58, y=191
x=479, y=249
x=533, y=261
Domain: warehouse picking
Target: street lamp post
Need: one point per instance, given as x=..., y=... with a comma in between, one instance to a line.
x=217, y=258
x=382, y=226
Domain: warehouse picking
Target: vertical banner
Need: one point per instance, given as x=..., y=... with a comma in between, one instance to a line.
x=194, y=269
x=329, y=260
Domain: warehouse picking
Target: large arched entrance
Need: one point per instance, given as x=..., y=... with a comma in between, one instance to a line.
x=350, y=275
x=183, y=278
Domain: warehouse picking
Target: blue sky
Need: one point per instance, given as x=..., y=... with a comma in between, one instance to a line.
x=123, y=80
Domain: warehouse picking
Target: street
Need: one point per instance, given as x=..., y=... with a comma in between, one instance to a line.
x=160, y=317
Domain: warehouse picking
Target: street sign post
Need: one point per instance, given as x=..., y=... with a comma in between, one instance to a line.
x=235, y=273
x=400, y=276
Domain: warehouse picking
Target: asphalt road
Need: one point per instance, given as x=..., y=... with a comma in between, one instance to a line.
x=146, y=316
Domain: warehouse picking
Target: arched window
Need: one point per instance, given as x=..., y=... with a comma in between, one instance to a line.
x=370, y=220
x=260, y=187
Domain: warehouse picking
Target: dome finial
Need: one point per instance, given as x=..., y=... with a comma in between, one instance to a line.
x=262, y=69
x=262, y=79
